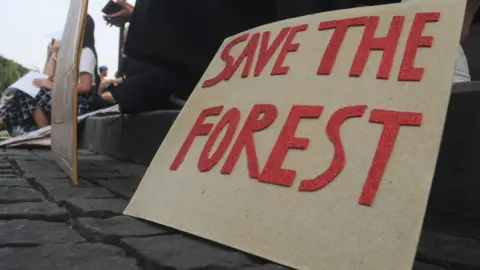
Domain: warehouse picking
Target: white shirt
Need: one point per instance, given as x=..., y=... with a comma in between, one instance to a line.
x=462, y=73
x=88, y=61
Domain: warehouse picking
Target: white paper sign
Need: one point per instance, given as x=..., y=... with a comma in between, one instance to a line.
x=25, y=84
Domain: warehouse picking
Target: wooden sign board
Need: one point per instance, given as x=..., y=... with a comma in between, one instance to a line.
x=64, y=95
x=312, y=142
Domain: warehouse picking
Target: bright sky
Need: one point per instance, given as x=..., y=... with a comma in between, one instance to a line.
x=28, y=26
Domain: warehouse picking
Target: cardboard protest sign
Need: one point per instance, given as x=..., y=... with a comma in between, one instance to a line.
x=64, y=95
x=42, y=136
x=312, y=142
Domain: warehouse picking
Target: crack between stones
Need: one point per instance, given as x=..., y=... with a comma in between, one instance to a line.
x=74, y=213
x=19, y=245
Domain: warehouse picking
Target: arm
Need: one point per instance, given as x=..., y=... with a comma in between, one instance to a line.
x=106, y=82
x=118, y=80
x=85, y=82
x=49, y=54
x=50, y=67
x=122, y=16
x=51, y=64
x=86, y=70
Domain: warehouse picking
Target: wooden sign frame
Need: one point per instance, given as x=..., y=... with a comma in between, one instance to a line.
x=64, y=92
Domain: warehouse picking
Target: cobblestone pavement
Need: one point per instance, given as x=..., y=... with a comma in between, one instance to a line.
x=46, y=223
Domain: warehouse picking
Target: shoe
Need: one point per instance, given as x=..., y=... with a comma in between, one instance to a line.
x=4, y=135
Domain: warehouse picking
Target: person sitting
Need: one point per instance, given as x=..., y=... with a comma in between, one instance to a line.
x=88, y=80
x=165, y=40
x=137, y=76
x=103, y=70
x=17, y=113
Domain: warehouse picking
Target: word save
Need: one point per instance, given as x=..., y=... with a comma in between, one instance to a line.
x=258, y=49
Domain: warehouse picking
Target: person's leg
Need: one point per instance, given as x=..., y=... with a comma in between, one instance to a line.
x=43, y=108
x=40, y=118
x=146, y=91
x=108, y=97
x=12, y=113
x=182, y=36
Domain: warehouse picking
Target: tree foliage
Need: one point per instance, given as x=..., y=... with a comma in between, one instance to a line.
x=10, y=71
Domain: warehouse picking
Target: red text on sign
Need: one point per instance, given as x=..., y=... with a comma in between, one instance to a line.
x=262, y=116
x=388, y=44
x=258, y=48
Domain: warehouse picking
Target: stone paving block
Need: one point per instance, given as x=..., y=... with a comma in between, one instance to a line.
x=46, y=183
x=7, y=171
x=85, y=256
x=124, y=188
x=33, y=163
x=178, y=251
x=61, y=194
x=12, y=176
x=18, y=182
x=135, y=170
x=106, y=175
x=23, y=232
x=97, y=208
x=19, y=194
x=32, y=167
x=39, y=211
x=5, y=166
x=44, y=173
x=443, y=250
x=16, y=153
x=26, y=157
x=82, y=167
x=117, y=227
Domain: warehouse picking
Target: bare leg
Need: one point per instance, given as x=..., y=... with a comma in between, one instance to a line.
x=40, y=118
x=108, y=97
x=2, y=123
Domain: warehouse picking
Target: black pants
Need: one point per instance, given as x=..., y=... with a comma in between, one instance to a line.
x=147, y=90
x=181, y=37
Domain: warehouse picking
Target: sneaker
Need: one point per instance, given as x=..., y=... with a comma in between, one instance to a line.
x=4, y=135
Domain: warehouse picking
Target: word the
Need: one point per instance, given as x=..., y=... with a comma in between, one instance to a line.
x=261, y=116
x=258, y=49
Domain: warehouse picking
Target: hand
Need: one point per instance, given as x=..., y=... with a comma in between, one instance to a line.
x=43, y=83
x=49, y=50
x=114, y=21
x=56, y=46
x=103, y=85
x=122, y=16
x=117, y=81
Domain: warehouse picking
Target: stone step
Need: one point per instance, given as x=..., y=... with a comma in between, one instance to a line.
x=134, y=138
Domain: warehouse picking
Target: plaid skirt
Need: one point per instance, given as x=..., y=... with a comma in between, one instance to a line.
x=44, y=99
x=19, y=109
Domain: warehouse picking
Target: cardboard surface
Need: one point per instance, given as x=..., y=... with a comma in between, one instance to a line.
x=359, y=219
x=41, y=134
x=64, y=95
